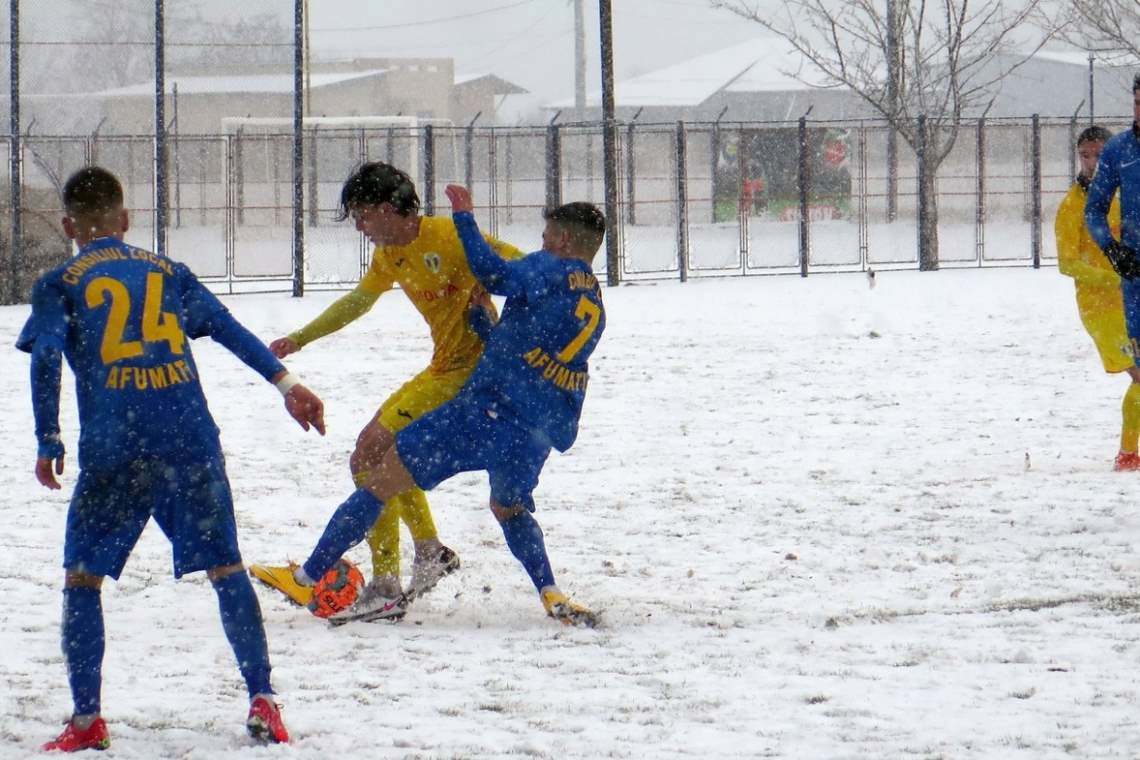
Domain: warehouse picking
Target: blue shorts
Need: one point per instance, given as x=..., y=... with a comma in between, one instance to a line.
x=190, y=501
x=462, y=435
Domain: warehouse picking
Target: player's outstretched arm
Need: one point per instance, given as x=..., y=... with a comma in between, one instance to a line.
x=348, y=308
x=493, y=273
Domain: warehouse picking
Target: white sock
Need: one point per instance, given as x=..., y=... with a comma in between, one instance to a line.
x=302, y=577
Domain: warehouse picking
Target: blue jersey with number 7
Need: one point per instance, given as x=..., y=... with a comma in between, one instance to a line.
x=121, y=316
x=534, y=366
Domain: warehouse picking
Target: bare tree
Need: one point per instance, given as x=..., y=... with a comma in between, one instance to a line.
x=1109, y=25
x=920, y=64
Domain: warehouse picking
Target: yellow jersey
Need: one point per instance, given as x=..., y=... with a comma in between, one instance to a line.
x=1079, y=257
x=432, y=270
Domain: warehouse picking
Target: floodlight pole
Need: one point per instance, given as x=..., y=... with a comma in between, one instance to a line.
x=17, y=251
x=609, y=143
x=159, y=130
x=299, y=26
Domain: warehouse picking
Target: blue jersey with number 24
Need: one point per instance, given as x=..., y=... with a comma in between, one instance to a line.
x=122, y=316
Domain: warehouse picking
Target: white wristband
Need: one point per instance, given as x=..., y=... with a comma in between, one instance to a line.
x=286, y=383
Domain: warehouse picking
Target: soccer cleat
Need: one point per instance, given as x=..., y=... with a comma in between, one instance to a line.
x=1127, y=461
x=428, y=571
x=280, y=577
x=73, y=739
x=559, y=607
x=377, y=602
x=264, y=723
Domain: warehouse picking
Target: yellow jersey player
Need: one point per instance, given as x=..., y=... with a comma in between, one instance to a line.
x=424, y=256
x=1098, y=289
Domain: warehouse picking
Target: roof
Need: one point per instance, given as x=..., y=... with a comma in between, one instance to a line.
x=497, y=84
x=250, y=83
x=764, y=64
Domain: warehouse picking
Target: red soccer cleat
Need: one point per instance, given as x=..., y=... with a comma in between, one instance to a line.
x=264, y=722
x=1127, y=461
x=73, y=739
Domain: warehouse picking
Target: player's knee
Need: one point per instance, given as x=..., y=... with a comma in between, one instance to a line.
x=216, y=574
x=502, y=513
x=82, y=579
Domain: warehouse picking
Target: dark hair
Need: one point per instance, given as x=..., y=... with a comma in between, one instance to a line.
x=91, y=191
x=585, y=221
x=1094, y=134
x=374, y=183
x=1136, y=83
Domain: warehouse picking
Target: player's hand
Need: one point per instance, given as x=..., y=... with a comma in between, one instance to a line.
x=306, y=407
x=460, y=198
x=1123, y=259
x=282, y=347
x=481, y=299
x=44, y=472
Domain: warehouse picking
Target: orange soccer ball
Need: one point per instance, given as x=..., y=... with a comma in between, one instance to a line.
x=337, y=589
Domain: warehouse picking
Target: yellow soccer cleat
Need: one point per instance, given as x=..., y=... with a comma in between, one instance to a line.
x=559, y=607
x=280, y=578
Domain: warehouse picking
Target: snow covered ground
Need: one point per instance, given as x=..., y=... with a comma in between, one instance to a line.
x=820, y=520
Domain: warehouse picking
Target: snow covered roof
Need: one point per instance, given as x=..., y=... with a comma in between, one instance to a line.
x=251, y=83
x=764, y=64
x=499, y=85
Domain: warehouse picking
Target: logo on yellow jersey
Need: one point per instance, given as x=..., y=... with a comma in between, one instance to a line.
x=432, y=261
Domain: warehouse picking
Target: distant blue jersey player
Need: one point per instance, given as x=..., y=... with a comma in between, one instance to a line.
x=148, y=447
x=1119, y=169
x=524, y=398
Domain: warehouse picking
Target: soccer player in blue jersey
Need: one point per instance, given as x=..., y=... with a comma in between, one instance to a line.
x=148, y=446
x=523, y=398
x=1119, y=167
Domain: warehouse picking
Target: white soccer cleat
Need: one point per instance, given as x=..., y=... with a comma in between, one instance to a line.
x=427, y=570
x=380, y=600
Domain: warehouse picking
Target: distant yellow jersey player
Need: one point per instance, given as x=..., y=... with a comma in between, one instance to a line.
x=423, y=255
x=1097, y=285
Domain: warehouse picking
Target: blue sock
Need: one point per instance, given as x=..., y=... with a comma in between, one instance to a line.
x=524, y=537
x=347, y=528
x=83, y=644
x=241, y=620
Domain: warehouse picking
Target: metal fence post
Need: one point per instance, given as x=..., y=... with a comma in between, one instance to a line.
x=920, y=170
x=310, y=158
x=682, y=204
x=630, y=177
x=980, y=214
x=159, y=129
x=1035, y=231
x=299, y=150
x=239, y=176
x=493, y=181
x=743, y=203
x=429, y=170
x=804, y=180
x=17, y=150
x=553, y=166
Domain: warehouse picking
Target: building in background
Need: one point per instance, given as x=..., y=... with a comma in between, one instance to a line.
x=198, y=100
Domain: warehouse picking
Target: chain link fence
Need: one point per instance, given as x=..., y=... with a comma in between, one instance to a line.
x=695, y=199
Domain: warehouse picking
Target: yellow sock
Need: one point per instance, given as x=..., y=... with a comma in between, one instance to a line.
x=417, y=514
x=384, y=535
x=1130, y=409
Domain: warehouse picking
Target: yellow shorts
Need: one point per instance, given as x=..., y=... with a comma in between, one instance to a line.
x=420, y=395
x=1107, y=330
